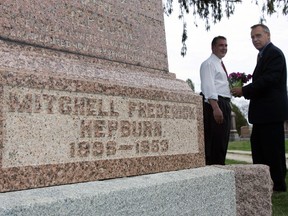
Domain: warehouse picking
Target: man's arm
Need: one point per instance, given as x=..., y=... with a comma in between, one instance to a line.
x=217, y=112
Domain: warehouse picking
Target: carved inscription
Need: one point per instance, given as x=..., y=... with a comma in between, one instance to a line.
x=47, y=127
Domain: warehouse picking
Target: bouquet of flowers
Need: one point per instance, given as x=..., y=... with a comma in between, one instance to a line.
x=237, y=79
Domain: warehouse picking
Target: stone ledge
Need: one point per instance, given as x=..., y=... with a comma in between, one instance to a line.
x=200, y=191
x=254, y=188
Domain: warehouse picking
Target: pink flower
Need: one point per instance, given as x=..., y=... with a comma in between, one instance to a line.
x=237, y=76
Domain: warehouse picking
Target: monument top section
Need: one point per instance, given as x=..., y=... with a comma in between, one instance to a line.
x=128, y=31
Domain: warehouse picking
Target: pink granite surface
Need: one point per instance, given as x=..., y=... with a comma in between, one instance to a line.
x=254, y=188
x=118, y=30
x=45, y=61
x=86, y=94
x=16, y=173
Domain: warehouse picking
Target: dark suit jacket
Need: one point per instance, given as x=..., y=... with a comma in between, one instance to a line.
x=268, y=90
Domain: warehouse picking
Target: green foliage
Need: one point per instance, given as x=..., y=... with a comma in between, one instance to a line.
x=228, y=161
x=213, y=11
x=245, y=145
x=239, y=118
x=239, y=145
x=191, y=84
x=279, y=203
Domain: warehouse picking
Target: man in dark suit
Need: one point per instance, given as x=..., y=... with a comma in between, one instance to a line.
x=268, y=108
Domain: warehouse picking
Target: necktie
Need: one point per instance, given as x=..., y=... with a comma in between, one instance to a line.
x=258, y=57
x=226, y=73
x=224, y=68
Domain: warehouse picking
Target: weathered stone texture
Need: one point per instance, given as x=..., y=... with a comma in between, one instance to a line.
x=86, y=94
x=254, y=188
x=118, y=30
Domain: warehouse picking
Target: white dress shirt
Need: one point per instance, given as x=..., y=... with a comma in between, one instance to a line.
x=214, y=80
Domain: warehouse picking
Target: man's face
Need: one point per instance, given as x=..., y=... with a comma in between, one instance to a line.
x=259, y=37
x=220, y=48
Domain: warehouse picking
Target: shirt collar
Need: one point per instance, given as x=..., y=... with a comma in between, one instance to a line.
x=262, y=50
x=216, y=57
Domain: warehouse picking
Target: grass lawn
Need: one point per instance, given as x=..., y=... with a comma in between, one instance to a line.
x=279, y=200
x=245, y=145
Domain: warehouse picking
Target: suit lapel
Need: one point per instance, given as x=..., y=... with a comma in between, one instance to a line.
x=260, y=61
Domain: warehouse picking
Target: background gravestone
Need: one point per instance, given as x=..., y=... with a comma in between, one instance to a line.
x=86, y=94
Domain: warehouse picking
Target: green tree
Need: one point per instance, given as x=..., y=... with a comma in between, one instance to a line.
x=239, y=118
x=191, y=84
x=212, y=11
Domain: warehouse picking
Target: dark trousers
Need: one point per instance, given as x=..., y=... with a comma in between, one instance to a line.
x=268, y=147
x=216, y=136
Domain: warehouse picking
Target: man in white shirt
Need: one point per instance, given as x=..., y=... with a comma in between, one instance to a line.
x=216, y=107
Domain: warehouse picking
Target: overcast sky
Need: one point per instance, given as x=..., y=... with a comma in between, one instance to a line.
x=241, y=55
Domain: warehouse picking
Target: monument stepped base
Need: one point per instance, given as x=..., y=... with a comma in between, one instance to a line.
x=200, y=191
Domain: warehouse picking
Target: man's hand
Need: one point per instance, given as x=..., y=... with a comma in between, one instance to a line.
x=218, y=115
x=217, y=112
x=237, y=92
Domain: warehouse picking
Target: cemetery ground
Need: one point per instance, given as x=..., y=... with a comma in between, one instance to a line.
x=279, y=200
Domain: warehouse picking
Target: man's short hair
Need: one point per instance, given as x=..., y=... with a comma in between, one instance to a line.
x=265, y=28
x=215, y=40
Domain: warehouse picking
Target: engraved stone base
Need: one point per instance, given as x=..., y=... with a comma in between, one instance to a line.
x=67, y=124
x=85, y=94
x=200, y=191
